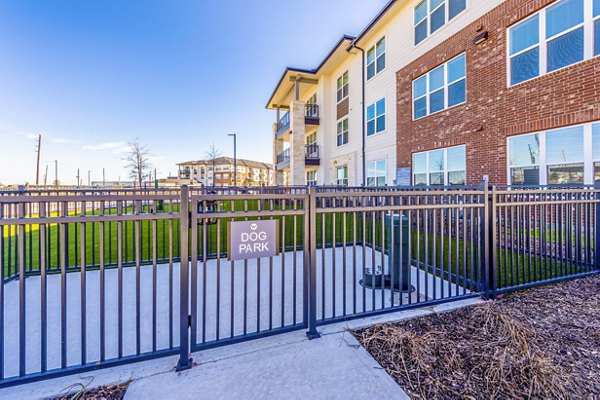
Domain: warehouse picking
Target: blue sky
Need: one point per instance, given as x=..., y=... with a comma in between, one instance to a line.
x=179, y=74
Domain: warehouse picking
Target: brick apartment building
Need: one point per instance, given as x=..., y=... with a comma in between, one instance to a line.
x=220, y=173
x=528, y=120
x=448, y=92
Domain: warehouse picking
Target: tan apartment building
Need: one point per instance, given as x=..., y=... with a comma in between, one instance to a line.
x=220, y=173
x=448, y=92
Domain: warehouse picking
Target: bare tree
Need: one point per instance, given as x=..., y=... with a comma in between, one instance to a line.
x=213, y=154
x=138, y=161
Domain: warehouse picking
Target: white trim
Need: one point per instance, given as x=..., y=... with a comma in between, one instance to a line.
x=374, y=62
x=445, y=171
x=445, y=87
x=587, y=156
x=427, y=18
x=367, y=120
x=588, y=41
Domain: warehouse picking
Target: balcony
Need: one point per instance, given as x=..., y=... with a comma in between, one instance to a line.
x=283, y=125
x=311, y=114
x=311, y=157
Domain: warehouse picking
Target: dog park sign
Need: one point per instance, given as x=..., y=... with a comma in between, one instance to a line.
x=253, y=239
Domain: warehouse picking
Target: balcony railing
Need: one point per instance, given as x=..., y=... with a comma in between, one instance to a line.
x=283, y=157
x=283, y=124
x=311, y=111
x=311, y=151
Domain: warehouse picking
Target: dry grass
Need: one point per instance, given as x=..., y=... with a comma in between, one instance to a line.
x=541, y=343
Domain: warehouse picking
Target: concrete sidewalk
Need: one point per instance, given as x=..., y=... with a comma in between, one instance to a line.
x=283, y=366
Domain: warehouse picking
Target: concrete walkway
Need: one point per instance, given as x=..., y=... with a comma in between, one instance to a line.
x=284, y=366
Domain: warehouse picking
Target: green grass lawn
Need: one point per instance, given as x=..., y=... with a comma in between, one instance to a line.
x=452, y=253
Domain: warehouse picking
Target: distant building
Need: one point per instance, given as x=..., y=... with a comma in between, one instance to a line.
x=249, y=173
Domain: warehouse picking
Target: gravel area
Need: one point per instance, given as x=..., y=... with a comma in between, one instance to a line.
x=538, y=343
x=79, y=392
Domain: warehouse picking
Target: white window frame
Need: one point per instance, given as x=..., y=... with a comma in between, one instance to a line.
x=311, y=174
x=376, y=176
x=376, y=58
x=311, y=139
x=588, y=41
x=343, y=133
x=445, y=88
x=337, y=179
x=594, y=19
x=427, y=18
x=446, y=171
x=341, y=87
x=376, y=116
x=588, y=158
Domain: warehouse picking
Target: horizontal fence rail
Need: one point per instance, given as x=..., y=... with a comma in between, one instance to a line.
x=98, y=277
x=81, y=279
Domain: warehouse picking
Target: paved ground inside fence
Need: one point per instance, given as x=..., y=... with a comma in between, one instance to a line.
x=248, y=297
x=286, y=366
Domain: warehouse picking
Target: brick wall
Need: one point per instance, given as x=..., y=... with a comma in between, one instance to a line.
x=493, y=111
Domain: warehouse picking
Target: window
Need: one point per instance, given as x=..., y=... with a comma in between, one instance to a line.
x=376, y=117
x=556, y=157
x=311, y=110
x=342, y=175
x=564, y=156
x=596, y=148
x=342, y=87
x=376, y=59
x=311, y=178
x=553, y=38
x=524, y=159
x=342, y=132
x=441, y=88
x=311, y=139
x=431, y=15
x=376, y=173
x=596, y=13
x=440, y=167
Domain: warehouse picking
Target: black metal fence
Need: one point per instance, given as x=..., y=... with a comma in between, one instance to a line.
x=91, y=279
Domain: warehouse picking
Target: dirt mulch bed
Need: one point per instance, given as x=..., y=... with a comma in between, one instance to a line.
x=539, y=343
x=79, y=392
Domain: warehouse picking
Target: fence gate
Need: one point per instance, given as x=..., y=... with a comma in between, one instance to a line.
x=238, y=300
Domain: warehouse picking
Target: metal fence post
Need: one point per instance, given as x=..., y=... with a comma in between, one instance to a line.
x=597, y=226
x=185, y=361
x=487, y=272
x=311, y=229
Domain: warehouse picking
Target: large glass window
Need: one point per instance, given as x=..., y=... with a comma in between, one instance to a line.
x=376, y=59
x=556, y=157
x=376, y=173
x=376, y=117
x=431, y=15
x=564, y=156
x=342, y=87
x=440, y=167
x=524, y=160
x=596, y=148
x=551, y=39
x=342, y=132
x=342, y=175
x=441, y=88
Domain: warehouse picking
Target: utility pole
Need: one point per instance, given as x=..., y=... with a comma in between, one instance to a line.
x=38, y=150
x=78, y=180
x=89, y=178
x=103, y=177
x=46, y=176
x=234, y=159
x=55, y=172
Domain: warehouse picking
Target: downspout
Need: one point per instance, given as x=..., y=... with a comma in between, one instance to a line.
x=363, y=84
